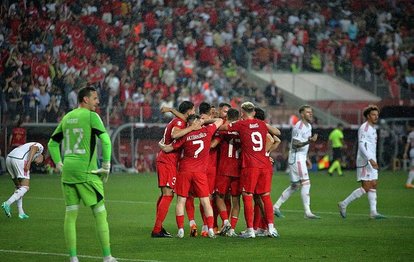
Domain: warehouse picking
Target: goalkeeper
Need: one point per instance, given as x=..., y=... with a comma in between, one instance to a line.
x=81, y=178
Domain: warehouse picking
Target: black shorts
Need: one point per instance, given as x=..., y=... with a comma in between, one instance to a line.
x=337, y=153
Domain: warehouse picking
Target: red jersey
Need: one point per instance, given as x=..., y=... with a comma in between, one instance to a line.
x=18, y=136
x=230, y=150
x=253, y=142
x=172, y=157
x=196, y=147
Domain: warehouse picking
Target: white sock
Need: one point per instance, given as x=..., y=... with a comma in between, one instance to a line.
x=19, y=203
x=74, y=259
x=204, y=228
x=192, y=222
x=285, y=196
x=304, y=192
x=372, y=199
x=19, y=193
x=226, y=222
x=354, y=195
x=410, y=177
x=270, y=226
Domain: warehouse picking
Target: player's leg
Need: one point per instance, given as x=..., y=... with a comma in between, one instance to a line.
x=166, y=182
x=163, y=206
x=72, y=201
x=357, y=193
x=287, y=193
x=15, y=168
x=208, y=212
x=305, y=194
x=371, y=188
x=19, y=202
x=222, y=186
x=294, y=186
x=190, y=210
x=410, y=178
x=179, y=215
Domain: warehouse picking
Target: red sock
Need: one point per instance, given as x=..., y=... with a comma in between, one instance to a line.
x=189, y=208
x=248, y=210
x=233, y=222
x=257, y=219
x=180, y=221
x=210, y=221
x=268, y=207
x=162, y=211
x=223, y=215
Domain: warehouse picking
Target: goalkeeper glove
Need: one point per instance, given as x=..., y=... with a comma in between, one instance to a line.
x=59, y=167
x=103, y=171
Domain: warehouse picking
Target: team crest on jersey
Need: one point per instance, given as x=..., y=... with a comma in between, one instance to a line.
x=179, y=123
x=254, y=125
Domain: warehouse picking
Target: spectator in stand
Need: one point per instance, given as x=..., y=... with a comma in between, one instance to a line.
x=52, y=110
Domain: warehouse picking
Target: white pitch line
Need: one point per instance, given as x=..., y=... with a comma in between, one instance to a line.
x=66, y=255
x=284, y=210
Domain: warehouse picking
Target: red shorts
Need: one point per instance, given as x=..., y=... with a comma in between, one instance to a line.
x=226, y=184
x=194, y=182
x=167, y=175
x=256, y=180
x=211, y=177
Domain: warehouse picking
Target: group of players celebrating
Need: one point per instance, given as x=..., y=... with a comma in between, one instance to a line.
x=219, y=156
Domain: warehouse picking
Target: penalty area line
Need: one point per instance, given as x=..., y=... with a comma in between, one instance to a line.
x=66, y=255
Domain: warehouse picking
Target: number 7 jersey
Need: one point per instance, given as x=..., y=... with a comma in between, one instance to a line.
x=78, y=131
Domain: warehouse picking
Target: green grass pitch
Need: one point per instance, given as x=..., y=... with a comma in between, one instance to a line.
x=131, y=211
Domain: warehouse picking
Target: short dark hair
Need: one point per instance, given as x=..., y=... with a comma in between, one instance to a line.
x=233, y=114
x=260, y=113
x=85, y=92
x=303, y=107
x=369, y=109
x=223, y=104
x=204, y=108
x=192, y=117
x=185, y=106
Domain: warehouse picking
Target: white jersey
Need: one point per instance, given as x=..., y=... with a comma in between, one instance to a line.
x=300, y=132
x=367, y=149
x=22, y=152
x=17, y=158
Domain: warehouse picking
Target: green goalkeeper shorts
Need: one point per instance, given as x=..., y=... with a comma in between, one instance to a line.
x=90, y=193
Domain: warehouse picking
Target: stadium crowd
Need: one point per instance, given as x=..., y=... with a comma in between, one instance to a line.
x=142, y=55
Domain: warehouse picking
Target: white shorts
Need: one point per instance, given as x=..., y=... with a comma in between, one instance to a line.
x=298, y=171
x=367, y=173
x=15, y=167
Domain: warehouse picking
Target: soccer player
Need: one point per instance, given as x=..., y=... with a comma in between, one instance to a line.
x=367, y=166
x=228, y=176
x=192, y=172
x=272, y=142
x=18, y=163
x=81, y=178
x=255, y=174
x=167, y=163
x=206, y=114
x=299, y=162
x=223, y=109
x=336, y=140
x=410, y=146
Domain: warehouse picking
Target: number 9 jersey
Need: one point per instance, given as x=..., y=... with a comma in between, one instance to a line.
x=78, y=131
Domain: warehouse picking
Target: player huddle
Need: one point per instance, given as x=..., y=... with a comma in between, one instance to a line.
x=219, y=157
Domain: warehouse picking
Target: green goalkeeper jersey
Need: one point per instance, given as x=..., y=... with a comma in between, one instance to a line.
x=78, y=131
